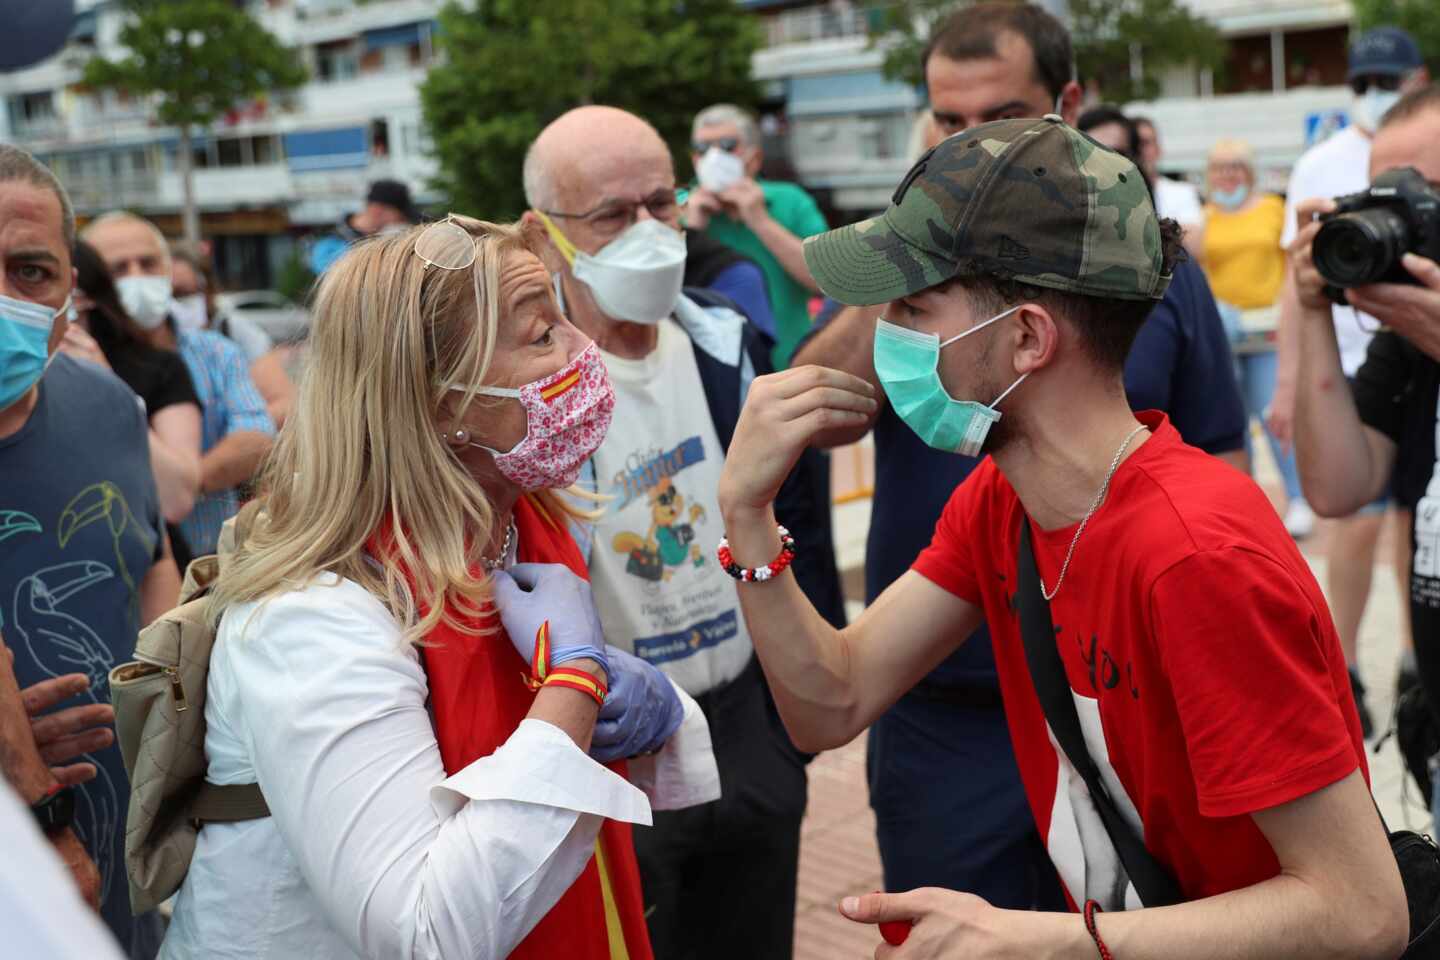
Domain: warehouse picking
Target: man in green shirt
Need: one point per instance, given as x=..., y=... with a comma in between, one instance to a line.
x=765, y=220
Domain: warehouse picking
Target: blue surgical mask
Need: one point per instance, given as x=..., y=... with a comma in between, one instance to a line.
x=1230, y=199
x=25, y=329
x=908, y=364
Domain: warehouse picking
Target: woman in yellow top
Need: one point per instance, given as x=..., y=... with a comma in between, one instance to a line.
x=1239, y=247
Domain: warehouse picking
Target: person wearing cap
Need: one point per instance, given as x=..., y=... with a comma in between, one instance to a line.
x=1382, y=431
x=387, y=207
x=1385, y=64
x=1016, y=262
x=941, y=819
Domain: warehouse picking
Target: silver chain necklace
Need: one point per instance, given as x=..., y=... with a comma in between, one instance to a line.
x=1095, y=505
x=499, y=561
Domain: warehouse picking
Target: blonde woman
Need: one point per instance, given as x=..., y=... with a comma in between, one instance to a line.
x=1239, y=248
x=446, y=397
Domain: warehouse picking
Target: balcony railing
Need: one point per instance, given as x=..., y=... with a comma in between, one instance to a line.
x=39, y=128
x=805, y=26
x=89, y=194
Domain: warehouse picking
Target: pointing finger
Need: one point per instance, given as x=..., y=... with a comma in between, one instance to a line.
x=39, y=697
x=63, y=723
x=74, y=774
x=68, y=748
x=799, y=379
x=831, y=398
x=883, y=907
x=1422, y=269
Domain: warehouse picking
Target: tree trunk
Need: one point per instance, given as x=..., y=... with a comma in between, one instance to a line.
x=189, y=215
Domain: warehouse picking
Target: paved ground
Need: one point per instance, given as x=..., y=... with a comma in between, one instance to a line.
x=838, y=854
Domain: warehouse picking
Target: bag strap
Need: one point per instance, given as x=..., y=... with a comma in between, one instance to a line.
x=1152, y=881
x=228, y=804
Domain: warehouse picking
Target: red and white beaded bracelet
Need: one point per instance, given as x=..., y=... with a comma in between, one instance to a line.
x=757, y=574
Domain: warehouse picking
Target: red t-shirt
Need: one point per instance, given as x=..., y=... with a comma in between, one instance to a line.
x=1205, y=668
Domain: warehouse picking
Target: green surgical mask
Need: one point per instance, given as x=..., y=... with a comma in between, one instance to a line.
x=908, y=364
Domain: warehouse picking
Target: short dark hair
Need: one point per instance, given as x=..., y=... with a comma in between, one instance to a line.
x=1106, y=113
x=970, y=34
x=1412, y=105
x=18, y=166
x=1107, y=325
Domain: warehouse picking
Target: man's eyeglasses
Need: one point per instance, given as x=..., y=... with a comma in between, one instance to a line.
x=728, y=144
x=612, y=216
x=1387, y=82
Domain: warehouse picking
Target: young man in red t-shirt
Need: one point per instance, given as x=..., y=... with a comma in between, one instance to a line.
x=1202, y=661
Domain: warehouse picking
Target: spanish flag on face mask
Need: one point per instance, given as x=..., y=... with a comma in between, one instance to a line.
x=479, y=695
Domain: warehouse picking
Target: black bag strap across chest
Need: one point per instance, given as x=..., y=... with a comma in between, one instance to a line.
x=1047, y=672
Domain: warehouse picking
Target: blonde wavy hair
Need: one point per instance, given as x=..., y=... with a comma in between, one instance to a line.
x=363, y=448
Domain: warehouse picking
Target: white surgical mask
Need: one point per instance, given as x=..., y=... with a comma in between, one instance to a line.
x=635, y=277
x=719, y=169
x=1369, y=107
x=189, y=311
x=146, y=299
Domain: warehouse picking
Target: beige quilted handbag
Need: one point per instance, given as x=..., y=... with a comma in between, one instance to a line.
x=159, y=700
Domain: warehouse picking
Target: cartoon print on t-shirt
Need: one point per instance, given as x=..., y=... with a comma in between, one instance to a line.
x=670, y=542
x=62, y=644
x=104, y=501
x=14, y=522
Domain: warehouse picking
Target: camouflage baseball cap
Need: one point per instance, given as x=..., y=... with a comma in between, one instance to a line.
x=1035, y=199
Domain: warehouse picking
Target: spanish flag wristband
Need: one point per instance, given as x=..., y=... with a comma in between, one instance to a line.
x=586, y=683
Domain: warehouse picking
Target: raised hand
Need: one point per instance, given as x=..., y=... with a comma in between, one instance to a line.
x=783, y=413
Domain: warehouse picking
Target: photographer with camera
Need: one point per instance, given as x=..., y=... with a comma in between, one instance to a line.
x=1385, y=64
x=1377, y=250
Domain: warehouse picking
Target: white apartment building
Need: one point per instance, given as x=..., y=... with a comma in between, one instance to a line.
x=847, y=128
x=283, y=167
x=267, y=173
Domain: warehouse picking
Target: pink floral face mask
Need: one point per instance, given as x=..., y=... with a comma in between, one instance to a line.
x=567, y=415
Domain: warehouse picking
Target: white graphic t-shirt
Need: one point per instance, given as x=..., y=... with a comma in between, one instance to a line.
x=660, y=591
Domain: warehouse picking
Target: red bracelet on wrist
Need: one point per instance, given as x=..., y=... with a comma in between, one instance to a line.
x=757, y=574
x=586, y=683
x=1092, y=908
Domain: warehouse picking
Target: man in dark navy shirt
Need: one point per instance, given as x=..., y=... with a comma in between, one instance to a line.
x=950, y=810
x=84, y=561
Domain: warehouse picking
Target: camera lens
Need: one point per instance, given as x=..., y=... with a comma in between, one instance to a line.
x=1360, y=247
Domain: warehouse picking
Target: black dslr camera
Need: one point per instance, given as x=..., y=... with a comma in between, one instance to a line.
x=1363, y=240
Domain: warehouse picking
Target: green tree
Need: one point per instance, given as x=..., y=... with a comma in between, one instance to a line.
x=512, y=66
x=1121, y=46
x=197, y=59
x=1417, y=16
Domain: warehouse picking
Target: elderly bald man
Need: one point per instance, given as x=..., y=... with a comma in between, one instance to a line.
x=600, y=182
x=236, y=430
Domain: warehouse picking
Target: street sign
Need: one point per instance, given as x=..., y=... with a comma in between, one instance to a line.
x=1320, y=124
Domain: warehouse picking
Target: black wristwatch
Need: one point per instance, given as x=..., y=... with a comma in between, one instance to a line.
x=56, y=810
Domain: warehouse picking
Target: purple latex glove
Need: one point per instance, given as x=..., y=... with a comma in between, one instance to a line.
x=641, y=713
x=528, y=594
